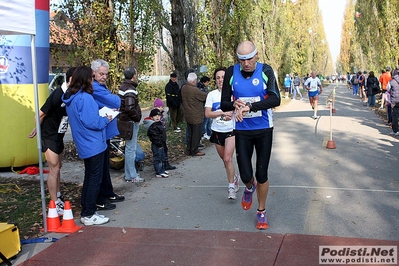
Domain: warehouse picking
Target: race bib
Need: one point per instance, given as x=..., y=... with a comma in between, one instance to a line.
x=63, y=125
x=252, y=100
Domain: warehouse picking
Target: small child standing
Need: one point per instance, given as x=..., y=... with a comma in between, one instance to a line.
x=157, y=135
x=158, y=104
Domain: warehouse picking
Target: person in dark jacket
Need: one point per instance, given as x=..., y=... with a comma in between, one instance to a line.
x=173, y=102
x=157, y=135
x=193, y=101
x=130, y=112
x=393, y=99
x=372, y=88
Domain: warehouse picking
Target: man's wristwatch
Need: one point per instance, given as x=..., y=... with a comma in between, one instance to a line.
x=249, y=104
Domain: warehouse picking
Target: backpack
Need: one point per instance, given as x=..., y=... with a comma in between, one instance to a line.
x=355, y=80
x=375, y=86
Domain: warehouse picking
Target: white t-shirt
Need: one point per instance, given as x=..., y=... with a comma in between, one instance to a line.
x=213, y=102
x=313, y=83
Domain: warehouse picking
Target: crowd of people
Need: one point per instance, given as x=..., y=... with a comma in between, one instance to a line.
x=384, y=90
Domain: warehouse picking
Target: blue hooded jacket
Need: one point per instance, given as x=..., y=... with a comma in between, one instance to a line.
x=87, y=126
x=104, y=97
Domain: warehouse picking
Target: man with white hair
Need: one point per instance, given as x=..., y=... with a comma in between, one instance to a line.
x=193, y=101
x=104, y=97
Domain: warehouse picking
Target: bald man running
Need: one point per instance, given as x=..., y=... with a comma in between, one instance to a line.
x=255, y=92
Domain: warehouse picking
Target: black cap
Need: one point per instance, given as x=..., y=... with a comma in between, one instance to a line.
x=155, y=112
x=173, y=75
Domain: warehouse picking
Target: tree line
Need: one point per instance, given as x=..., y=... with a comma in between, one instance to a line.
x=370, y=36
x=289, y=34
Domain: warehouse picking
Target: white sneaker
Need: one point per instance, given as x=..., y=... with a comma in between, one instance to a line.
x=162, y=175
x=59, y=205
x=82, y=219
x=95, y=219
x=314, y=116
x=177, y=130
x=381, y=108
x=207, y=137
x=392, y=133
x=397, y=134
x=232, y=193
x=137, y=180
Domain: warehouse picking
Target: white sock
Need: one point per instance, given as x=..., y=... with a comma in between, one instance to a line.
x=58, y=194
x=231, y=185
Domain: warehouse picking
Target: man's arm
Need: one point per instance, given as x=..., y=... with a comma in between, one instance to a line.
x=226, y=104
x=104, y=97
x=273, y=93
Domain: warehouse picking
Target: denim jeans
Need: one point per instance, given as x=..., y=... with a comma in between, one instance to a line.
x=91, y=184
x=158, y=155
x=371, y=100
x=355, y=89
x=296, y=89
x=106, y=188
x=395, y=116
x=389, y=113
x=130, y=154
x=140, y=155
x=206, y=126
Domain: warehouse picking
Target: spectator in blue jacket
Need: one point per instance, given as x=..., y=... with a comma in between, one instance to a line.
x=104, y=97
x=88, y=131
x=287, y=85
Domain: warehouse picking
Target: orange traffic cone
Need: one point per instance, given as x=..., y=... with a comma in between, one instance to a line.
x=68, y=223
x=53, y=221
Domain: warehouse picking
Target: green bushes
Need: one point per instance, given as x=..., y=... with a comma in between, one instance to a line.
x=149, y=91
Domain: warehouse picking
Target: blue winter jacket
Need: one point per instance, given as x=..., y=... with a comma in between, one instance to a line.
x=287, y=82
x=87, y=126
x=104, y=97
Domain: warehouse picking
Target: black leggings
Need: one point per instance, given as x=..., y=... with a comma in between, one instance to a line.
x=245, y=143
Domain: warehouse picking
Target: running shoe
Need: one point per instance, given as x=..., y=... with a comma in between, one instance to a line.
x=116, y=198
x=164, y=175
x=136, y=180
x=246, y=201
x=262, y=220
x=232, y=193
x=59, y=205
x=95, y=219
x=106, y=206
x=82, y=219
x=236, y=185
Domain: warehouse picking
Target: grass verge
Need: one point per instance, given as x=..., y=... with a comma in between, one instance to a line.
x=20, y=198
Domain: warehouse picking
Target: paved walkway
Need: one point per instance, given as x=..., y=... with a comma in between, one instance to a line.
x=318, y=196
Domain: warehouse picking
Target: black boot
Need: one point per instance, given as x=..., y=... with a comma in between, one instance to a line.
x=167, y=166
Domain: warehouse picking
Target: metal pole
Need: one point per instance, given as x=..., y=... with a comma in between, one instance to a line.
x=38, y=130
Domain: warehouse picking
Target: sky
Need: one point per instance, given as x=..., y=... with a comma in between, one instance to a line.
x=333, y=14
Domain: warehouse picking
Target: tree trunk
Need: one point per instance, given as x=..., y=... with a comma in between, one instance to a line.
x=178, y=38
